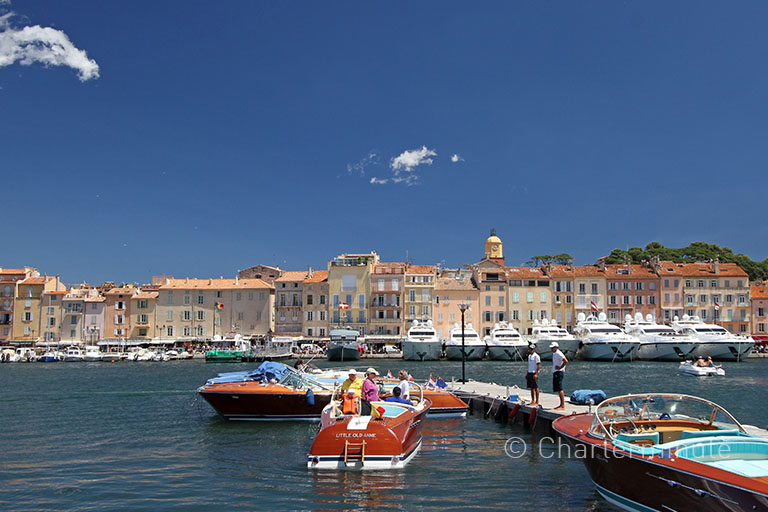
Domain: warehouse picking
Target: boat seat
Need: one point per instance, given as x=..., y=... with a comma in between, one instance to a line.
x=390, y=411
x=649, y=438
x=748, y=468
x=693, y=434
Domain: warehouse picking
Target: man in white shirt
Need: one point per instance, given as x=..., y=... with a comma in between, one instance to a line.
x=532, y=377
x=559, y=362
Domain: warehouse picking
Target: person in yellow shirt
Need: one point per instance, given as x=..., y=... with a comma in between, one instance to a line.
x=353, y=382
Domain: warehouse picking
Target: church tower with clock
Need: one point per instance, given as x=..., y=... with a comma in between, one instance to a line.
x=493, y=248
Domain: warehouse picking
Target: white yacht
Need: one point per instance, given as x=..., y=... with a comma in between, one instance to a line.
x=659, y=342
x=601, y=341
x=505, y=343
x=92, y=353
x=548, y=331
x=73, y=355
x=474, y=347
x=422, y=342
x=713, y=340
x=24, y=355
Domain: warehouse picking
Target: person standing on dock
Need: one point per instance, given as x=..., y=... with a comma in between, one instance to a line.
x=532, y=377
x=559, y=362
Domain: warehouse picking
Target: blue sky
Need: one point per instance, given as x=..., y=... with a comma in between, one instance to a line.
x=221, y=135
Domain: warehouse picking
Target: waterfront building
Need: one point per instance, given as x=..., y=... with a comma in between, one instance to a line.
x=264, y=272
x=561, y=277
x=203, y=308
x=759, y=299
x=349, y=283
x=672, y=292
x=28, y=307
x=117, y=312
x=72, y=328
x=315, y=299
x=386, y=304
x=453, y=287
x=94, y=316
x=419, y=285
x=631, y=289
x=589, y=287
x=143, y=306
x=9, y=277
x=717, y=292
x=288, y=303
x=53, y=324
x=530, y=297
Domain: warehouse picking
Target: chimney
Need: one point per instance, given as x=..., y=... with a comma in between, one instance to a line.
x=210, y=282
x=601, y=264
x=716, y=265
x=549, y=269
x=309, y=272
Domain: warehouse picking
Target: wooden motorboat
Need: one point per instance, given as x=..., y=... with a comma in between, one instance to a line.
x=690, y=368
x=669, y=452
x=388, y=439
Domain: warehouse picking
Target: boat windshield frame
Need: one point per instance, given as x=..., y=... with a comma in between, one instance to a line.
x=301, y=382
x=653, y=406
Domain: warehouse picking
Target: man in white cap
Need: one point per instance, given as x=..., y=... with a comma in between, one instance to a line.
x=353, y=382
x=559, y=362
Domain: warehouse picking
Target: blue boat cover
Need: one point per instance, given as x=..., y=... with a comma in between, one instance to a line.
x=268, y=370
x=583, y=396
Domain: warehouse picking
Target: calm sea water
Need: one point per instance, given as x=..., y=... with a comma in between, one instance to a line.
x=134, y=436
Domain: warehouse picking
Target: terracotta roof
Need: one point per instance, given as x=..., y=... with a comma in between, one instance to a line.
x=318, y=276
x=36, y=280
x=451, y=283
x=120, y=291
x=420, y=269
x=526, y=273
x=759, y=290
x=588, y=271
x=215, y=284
x=390, y=264
x=292, y=275
x=561, y=271
x=12, y=271
x=638, y=271
x=669, y=268
x=145, y=295
x=707, y=270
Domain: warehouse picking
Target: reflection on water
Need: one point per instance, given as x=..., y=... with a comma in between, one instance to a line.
x=358, y=489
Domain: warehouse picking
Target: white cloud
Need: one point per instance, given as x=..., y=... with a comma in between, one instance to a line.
x=408, y=160
x=371, y=159
x=45, y=45
x=377, y=181
x=456, y=158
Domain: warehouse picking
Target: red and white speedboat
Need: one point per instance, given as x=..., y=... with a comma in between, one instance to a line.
x=364, y=442
x=669, y=452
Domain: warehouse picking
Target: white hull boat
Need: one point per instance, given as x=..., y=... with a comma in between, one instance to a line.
x=713, y=340
x=506, y=344
x=545, y=333
x=422, y=343
x=474, y=348
x=601, y=341
x=689, y=368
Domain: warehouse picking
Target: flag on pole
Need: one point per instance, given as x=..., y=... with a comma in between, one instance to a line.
x=389, y=374
x=594, y=306
x=441, y=383
x=219, y=305
x=431, y=384
x=717, y=306
x=343, y=305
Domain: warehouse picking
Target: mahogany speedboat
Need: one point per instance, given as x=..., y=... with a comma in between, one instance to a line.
x=669, y=452
x=388, y=441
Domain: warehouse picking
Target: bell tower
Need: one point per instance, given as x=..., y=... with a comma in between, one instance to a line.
x=493, y=248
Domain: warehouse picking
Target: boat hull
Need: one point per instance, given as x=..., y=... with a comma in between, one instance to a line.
x=507, y=353
x=422, y=350
x=611, y=352
x=343, y=353
x=665, y=351
x=245, y=401
x=724, y=350
x=568, y=347
x=474, y=352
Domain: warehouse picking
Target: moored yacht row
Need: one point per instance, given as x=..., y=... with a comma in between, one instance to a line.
x=594, y=340
x=91, y=353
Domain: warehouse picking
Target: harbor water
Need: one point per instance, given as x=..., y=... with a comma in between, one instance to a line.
x=135, y=436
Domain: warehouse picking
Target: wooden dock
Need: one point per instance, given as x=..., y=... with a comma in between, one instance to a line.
x=492, y=401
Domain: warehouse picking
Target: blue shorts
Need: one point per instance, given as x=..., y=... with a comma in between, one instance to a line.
x=557, y=381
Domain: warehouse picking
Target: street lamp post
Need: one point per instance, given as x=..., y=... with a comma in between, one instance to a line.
x=463, y=307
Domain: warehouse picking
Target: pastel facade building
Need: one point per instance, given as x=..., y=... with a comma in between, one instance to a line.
x=386, y=305
x=53, y=323
x=289, y=301
x=187, y=308
x=530, y=297
x=9, y=277
x=94, y=317
x=672, y=291
x=454, y=287
x=563, y=311
x=717, y=292
x=28, y=307
x=117, y=312
x=589, y=286
x=315, y=299
x=143, y=318
x=759, y=298
x=631, y=289
x=491, y=278
x=419, y=285
x=349, y=283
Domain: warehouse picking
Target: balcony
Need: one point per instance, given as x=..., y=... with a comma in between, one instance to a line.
x=386, y=320
x=384, y=304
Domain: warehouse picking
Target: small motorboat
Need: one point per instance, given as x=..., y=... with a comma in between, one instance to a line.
x=92, y=353
x=73, y=355
x=667, y=451
x=50, y=356
x=343, y=345
x=388, y=439
x=690, y=368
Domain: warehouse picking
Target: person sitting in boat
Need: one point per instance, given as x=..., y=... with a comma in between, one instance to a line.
x=350, y=403
x=353, y=382
x=701, y=362
x=711, y=363
x=370, y=391
x=404, y=386
x=397, y=398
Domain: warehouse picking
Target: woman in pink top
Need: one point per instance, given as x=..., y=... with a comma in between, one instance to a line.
x=370, y=391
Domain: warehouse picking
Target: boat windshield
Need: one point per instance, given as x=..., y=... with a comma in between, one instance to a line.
x=506, y=336
x=604, y=329
x=467, y=335
x=422, y=333
x=646, y=411
x=300, y=382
